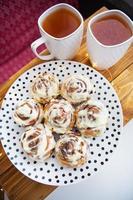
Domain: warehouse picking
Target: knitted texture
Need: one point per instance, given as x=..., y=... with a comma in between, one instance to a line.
x=18, y=29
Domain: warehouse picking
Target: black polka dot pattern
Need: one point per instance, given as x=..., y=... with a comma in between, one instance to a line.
x=100, y=149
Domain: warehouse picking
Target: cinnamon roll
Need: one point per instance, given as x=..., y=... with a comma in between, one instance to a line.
x=45, y=87
x=38, y=142
x=71, y=150
x=91, y=118
x=59, y=116
x=28, y=112
x=76, y=89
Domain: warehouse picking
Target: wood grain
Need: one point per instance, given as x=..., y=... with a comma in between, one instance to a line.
x=20, y=187
x=123, y=85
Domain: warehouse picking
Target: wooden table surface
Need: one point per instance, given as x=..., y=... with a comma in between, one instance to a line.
x=18, y=186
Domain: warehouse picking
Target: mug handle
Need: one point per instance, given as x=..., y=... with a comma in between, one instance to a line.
x=34, y=47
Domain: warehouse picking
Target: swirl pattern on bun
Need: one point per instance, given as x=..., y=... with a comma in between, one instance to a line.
x=28, y=112
x=76, y=89
x=38, y=142
x=71, y=150
x=91, y=118
x=45, y=87
x=59, y=115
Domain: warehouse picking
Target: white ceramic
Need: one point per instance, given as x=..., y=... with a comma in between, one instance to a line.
x=100, y=149
x=60, y=48
x=103, y=56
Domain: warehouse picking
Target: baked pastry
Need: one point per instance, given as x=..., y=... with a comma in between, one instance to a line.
x=38, y=142
x=76, y=89
x=45, y=87
x=91, y=118
x=28, y=112
x=59, y=116
x=71, y=150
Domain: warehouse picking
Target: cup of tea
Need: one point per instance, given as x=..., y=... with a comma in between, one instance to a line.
x=109, y=35
x=61, y=28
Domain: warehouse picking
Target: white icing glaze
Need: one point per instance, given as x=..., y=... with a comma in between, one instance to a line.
x=44, y=87
x=76, y=89
x=76, y=152
x=59, y=115
x=28, y=112
x=88, y=118
x=45, y=143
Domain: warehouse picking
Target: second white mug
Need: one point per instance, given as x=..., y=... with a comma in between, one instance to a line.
x=60, y=48
x=103, y=56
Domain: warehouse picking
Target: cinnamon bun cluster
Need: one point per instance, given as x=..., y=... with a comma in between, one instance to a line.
x=60, y=109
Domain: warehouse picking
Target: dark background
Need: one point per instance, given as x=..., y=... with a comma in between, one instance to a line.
x=87, y=7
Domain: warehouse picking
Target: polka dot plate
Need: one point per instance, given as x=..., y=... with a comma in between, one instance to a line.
x=100, y=148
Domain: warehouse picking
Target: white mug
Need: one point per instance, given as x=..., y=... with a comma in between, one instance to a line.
x=104, y=56
x=60, y=48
